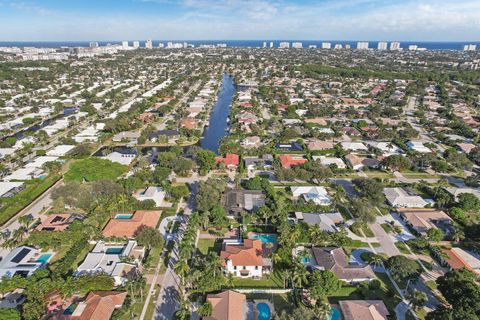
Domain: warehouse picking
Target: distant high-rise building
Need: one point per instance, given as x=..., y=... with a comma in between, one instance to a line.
x=347, y=46
x=271, y=44
x=149, y=44
x=362, y=45
x=395, y=46
x=93, y=44
x=136, y=44
x=169, y=45
x=338, y=46
x=312, y=46
x=297, y=45
x=326, y=45
x=382, y=45
x=161, y=45
x=284, y=45
x=264, y=44
x=125, y=44
x=412, y=47
x=185, y=45
x=470, y=47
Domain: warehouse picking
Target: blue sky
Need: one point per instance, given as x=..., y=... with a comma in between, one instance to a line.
x=77, y=20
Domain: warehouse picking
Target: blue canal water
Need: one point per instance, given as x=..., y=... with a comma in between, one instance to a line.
x=218, y=123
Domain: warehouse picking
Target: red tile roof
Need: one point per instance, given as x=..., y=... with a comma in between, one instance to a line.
x=250, y=254
x=230, y=159
x=287, y=161
x=99, y=305
x=128, y=227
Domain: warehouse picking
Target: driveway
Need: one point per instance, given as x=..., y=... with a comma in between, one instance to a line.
x=386, y=241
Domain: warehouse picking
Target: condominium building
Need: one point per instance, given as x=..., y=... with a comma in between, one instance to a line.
x=470, y=47
x=149, y=44
x=136, y=44
x=326, y=45
x=124, y=45
x=297, y=45
x=284, y=45
x=362, y=45
x=382, y=45
x=395, y=46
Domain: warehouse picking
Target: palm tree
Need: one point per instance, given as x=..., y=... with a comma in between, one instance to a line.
x=418, y=299
x=122, y=200
x=230, y=280
x=457, y=234
x=182, y=270
x=300, y=275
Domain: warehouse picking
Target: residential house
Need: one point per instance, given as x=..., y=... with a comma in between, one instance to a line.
x=56, y=222
x=99, y=305
x=265, y=162
x=231, y=161
x=228, y=305
x=10, y=189
x=400, y=198
x=363, y=310
x=127, y=225
x=60, y=150
x=329, y=222
x=335, y=260
x=455, y=192
x=351, y=131
x=26, y=173
x=289, y=161
x=107, y=258
x=23, y=261
x=252, y=142
x=315, y=145
x=123, y=158
x=189, y=123
x=244, y=260
x=289, y=147
x=151, y=193
x=353, y=146
x=418, y=146
x=236, y=201
x=318, y=195
x=131, y=137
x=458, y=258
x=330, y=161
x=168, y=136
x=422, y=220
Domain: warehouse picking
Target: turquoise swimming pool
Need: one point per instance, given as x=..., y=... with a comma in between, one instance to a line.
x=335, y=314
x=44, y=258
x=264, y=312
x=265, y=238
x=124, y=216
x=305, y=260
x=114, y=250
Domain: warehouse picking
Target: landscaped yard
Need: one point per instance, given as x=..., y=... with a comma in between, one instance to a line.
x=208, y=245
x=267, y=281
x=94, y=169
x=280, y=301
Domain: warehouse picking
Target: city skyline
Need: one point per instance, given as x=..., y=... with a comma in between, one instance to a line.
x=369, y=20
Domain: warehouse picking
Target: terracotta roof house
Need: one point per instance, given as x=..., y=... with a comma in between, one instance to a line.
x=189, y=123
x=56, y=222
x=466, y=147
x=363, y=310
x=231, y=160
x=126, y=225
x=421, y=220
x=98, y=305
x=351, y=131
x=335, y=260
x=319, y=121
x=457, y=258
x=288, y=161
x=228, y=305
x=319, y=145
x=244, y=260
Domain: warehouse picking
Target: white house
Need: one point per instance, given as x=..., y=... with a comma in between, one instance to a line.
x=399, y=198
x=387, y=148
x=353, y=146
x=122, y=158
x=107, y=258
x=418, y=146
x=60, y=150
x=245, y=260
x=318, y=195
x=23, y=261
x=151, y=193
x=328, y=161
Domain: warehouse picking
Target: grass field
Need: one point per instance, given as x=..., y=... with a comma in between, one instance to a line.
x=94, y=169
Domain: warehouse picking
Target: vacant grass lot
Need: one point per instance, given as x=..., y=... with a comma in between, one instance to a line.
x=94, y=169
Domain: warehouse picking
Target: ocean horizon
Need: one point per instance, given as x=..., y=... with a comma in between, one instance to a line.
x=430, y=45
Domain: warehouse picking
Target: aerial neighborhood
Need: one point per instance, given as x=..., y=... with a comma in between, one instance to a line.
x=239, y=183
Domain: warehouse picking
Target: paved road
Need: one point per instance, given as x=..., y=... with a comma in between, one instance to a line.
x=168, y=298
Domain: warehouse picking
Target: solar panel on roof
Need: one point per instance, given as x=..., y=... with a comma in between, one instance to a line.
x=22, y=254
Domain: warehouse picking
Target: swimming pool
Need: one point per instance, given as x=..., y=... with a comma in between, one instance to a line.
x=305, y=260
x=265, y=238
x=44, y=258
x=124, y=216
x=335, y=314
x=114, y=250
x=264, y=312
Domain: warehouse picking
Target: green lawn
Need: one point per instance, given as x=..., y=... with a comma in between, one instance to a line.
x=33, y=189
x=94, y=169
x=208, y=245
x=402, y=247
x=267, y=281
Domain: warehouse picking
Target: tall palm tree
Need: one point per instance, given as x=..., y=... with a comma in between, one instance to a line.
x=300, y=275
x=182, y=269
x=122, y=200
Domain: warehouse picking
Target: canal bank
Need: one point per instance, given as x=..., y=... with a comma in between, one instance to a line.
x=219, y=121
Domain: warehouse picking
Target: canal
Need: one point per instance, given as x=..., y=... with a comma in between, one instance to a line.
x=218, y=123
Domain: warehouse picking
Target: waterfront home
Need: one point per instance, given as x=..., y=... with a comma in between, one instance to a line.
x=237, y=201
x=231, y=161
x=228, y=305
x=252, y=142
x=363, y=309
x=23, y=261
x=107, y=258
x=335, y=260
x=130, y=137
x=127, y=225
x=98, y=305
x=422, y=220
x=169, y=135
x=318, y=195
x=329, y=222
x=400, y=198
x=121, y=158
x=244, y=259
x=289, y=161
